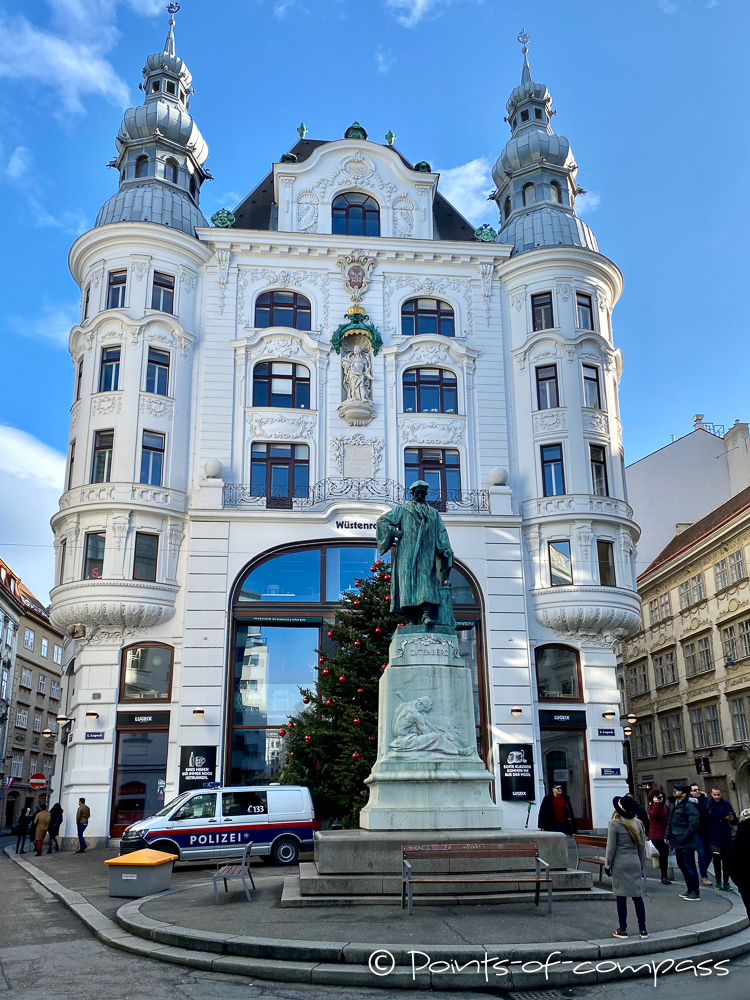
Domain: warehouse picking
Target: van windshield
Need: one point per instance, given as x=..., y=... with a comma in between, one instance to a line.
x=170, y=805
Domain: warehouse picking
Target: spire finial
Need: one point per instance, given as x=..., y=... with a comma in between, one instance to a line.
x=524, y=39
x=301, y=130
x=172, y=9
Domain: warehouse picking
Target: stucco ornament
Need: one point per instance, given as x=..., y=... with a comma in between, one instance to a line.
x=356, y=320
x=358, y=408
x=485, y=234
x=223, y=219
x=307, y=212
x=415, y=728
x=356, y=267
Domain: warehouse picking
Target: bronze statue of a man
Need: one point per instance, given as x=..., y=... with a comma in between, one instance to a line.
x=422, y=557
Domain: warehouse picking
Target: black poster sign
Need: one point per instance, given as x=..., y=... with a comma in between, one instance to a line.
x=516, y=772
x=562, y=718
x=197, y=767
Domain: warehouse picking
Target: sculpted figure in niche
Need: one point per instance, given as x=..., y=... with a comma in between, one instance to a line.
x=357, y=373
x=414, y=729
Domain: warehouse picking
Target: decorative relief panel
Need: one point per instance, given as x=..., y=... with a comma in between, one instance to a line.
x=486, y=273
x=149, y=494
x=403, y=217
x=280, y=428
x=140, y=268
x=223, y=258
x=187, y=280
x=356, y=171
x=75, y=412
x=279, y=278
x=105, y=404
x=155, y=406
x=432, y=431
x=341, y=442
x=430, y=287
x=595, y=420
x=564, y=289
x=550, y=420
x=307, y=211
x=518, y=298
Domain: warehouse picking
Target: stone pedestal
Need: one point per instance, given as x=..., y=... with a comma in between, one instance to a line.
x=428, y=774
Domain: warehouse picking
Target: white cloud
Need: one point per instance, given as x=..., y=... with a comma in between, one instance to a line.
x=52, y=325
x=467, y=188
x=413, y=10
x=19, y=162
x=19, y=173
x=669, y=6
x=587, y=203
x=31, y=479
x=385, y=60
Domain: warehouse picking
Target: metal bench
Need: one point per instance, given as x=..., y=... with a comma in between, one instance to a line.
x=229, y=871
x=585, y=840
x=479, y=852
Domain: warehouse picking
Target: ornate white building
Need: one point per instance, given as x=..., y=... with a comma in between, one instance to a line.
x=251, y=396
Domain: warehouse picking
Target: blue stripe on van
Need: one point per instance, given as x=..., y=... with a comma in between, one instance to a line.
x=235, y=834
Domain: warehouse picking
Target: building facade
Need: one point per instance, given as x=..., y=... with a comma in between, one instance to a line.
x=250, y=397
x=10, y=613
x=687, y=674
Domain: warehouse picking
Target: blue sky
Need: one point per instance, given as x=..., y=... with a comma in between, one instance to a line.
x=650, y=93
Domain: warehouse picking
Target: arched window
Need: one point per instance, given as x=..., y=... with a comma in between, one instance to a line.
x=430, y=390
x=141, y=166
x=170, y=170
x=529, y=194
x=555, y=193
x=146, y=673
x=558, y=674
x=281, y=383
x=355, y=214
x=284, y=605
x=419, y=316
x=506, y=208
x=282, y=309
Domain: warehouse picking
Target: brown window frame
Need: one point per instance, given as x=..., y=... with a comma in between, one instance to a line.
x=300, y=306
x=295, y=378
x=291, y=462
x=584, y=301
x=446, y=379
x=417, y=469
x=443, y=311
x=123, y=658
x=542, y=301
x=341, y=204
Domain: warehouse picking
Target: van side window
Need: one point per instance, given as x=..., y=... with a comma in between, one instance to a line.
x=199, y=807
x=244, y=803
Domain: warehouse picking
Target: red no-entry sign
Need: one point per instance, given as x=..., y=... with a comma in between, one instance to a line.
x=37, y=781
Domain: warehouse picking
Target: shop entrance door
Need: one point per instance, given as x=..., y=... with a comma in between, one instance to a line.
x=565, y=763
x=140, y=777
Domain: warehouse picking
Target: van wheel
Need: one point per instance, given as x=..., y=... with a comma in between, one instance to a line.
x=285, y=851
x=167, y=847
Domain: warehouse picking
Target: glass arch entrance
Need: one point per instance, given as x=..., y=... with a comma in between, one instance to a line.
x=282, y=608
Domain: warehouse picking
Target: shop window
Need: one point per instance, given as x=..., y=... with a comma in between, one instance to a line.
x=440, y=468
x=281, y=383
x=557, y=673
x=144, y=560
x=427, y=316
x=280, y=472
x=430, y=390
x=282, y=309
x=94, y=556
x=355, y=214
x=146, y=673
x=140, y=776
x=547, y=393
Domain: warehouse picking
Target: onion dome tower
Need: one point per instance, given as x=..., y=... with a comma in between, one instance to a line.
x=160, y=151
x=535, y=174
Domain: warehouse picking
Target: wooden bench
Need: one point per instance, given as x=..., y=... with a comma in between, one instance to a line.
x=584, y=840
x=479, y=852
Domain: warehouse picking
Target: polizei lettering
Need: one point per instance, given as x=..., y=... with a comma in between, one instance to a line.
x=360, y=525
x=219, y=838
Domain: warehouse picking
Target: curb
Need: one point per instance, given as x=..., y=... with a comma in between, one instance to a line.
x=346, y=963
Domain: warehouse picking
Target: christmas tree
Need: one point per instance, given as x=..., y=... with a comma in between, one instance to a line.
x=332, y=743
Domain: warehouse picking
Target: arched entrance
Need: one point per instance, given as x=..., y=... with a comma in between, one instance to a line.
x=282, y=607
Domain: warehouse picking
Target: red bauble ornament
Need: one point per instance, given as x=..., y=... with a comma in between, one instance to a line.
x=321, y=659
x=387, y=576
x=387, y=597
x=383, y=666
x=329, y=702
x=371, y=739
x=378, y=630
x=356, y=602
x=330, y=635
x=282, y=732
x=342, y=678
x=326, y=672
x=355, y=756
x=291, y=753
x=308, y=738
x=373, y=568
x=356, y=722
x=360, y=690
x=306, y=700
x=357, y=642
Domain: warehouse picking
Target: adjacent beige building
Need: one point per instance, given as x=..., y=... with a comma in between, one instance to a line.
x=687, y=674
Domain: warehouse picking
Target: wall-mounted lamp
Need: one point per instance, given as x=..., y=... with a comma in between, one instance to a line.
x=628, y=731
x=61, y=720
x=609, y=714
x=47, y=733
x=199, y=713
x=632, y=719
x=516, y=710
x=92, y=715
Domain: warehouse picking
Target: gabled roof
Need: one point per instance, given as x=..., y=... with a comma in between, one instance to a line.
x=716, y=518
x=254, y=211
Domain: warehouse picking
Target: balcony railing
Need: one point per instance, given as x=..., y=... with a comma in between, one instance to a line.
x=329, y=491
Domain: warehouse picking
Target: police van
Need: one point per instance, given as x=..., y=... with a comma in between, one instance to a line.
x=217, y=822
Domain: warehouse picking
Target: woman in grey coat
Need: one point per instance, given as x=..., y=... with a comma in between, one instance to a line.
x=626, y=856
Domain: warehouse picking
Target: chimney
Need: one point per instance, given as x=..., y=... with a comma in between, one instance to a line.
x=698, y=422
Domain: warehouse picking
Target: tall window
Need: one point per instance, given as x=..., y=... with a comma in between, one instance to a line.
x=560, y=569
x=94, y=556
x=605, y=554
x=664, y=668
x=101, y=466
x=553, y=477
x=22, y=717
x=44, y=650
x=141, y=166
x=37, y=722
x=152, y=458
x=598, y=457
x=28, y=638
x=71, y=463
x=740, y=729
x=61, y=577
x=736, y=641
x=691, y=591
x=280, y=472
x=116, y=289
x=638, y=679
x=144, y=562
x=592, y=396
x=146, y=673
x=170, y=170
x=645, y=745
x=555, y=193
x=529, y=191
x=584, y=312
x=698, y=657
x=281, y=383
x=729, y=570
x=16, y=765
x=55, y=689
x=157, y=372
x=664, y=609
x=355, y=214
x=506, y=209
x=736, y=567
x=547, y=395
x=430, y=390
x=440, y=468
x=672, y=735
x=706, y=726
x=541, y=311
x=422, y=316
x=79, y=379
x=162, y=292
x=27, y=677
x=86, y=300
x=282, y=309
x=109, y=372
x=557, y=673
x=57, y=658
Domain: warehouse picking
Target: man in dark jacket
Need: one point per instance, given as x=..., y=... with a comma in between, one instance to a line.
x=718, y=833
x=556, y=813
x=682, y=834
x=700, y=799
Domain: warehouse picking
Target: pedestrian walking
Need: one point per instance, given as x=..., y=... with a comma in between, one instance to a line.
x=83, y=815
x=56, y=812
x=43, y=820
x=658, y=815
x=682, y=834
x=556, y=813
x=700, y=799
x=625, y=858
x=717, y=828
x=22, y=830
x=739, y=858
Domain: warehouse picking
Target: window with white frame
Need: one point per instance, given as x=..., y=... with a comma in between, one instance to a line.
x=57, y=654
x=4, y=676
x=691, y=591
x=706, y=726
x=665, y=611
x=47, y=767
x=638, y=679
x=698, y=656
x=28, y=638
x=27, y=677
x=37, y=722
x=52, y=724
x=33, y=764
x=22, y=717
x=42, y=684
x=653, y=611
x=721, y=572
x=16, y=766
x=736, y=567
x=645, y=745
x=664, y=668
x=739, y=708
x=55, y=691
x=45, y=647
x=672, y=734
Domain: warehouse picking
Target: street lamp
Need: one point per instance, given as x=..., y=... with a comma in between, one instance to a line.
x=516, y=711
x=632, y=719
x=47, y=733
x=92, y=715
x=609, y=714
x=199, y=712
x=628, y=731
x=61, y=720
